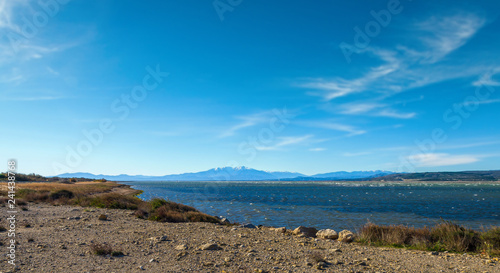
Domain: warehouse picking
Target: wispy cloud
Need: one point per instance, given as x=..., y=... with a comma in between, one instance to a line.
x=351, y=130
x=405, y=68
x=373, y=109
x=481, y=102
x=317, y=149
x=441, y=159
x=394, y=114
x=339, y=87
x=447, y=34
x=486, y=78
x=284, y=142
x=257, y=119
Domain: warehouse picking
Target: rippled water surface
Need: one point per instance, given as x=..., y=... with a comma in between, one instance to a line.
x=343, y=205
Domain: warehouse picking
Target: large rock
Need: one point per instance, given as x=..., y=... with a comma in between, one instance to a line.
x=305, y=231
x=249, y=226
x=346, y=236
x=327, y=234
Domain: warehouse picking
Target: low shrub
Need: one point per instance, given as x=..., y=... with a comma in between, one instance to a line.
x=455, y=238
x=61, y=194
x=100, y=249
x=117, y=253
x=395, y=235
x=157, y=202
x=491, y=241
x=143, y=210
x=110, y=201
x=23, y=192
x=37, y=196
x=175, y=213
x=316, y=257
x=196, y=216
x=445, y=236
x=164, y=214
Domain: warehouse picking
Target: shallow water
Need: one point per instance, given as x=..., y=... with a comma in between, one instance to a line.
x=337, y=205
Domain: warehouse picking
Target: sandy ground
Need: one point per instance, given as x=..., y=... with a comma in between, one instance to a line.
x=58, y=238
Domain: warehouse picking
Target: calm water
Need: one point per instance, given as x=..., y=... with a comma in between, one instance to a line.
x=344, y=205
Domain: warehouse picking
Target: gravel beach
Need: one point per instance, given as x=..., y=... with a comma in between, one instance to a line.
x=59, y=238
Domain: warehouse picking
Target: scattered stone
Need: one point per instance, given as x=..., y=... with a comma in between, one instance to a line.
x=333, y=250
x=305, y=231
x=249, y=226
x=103, y=217
x=327, y=234
x=280, y=229
x=182, y=254
x=224, y=220
x=210, y=246
x=181, y=247
x=435, y=253
x=346, y=236
x=335, y=262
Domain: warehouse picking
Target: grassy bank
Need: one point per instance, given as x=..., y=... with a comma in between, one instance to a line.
x=104, y=194
x=445, y=236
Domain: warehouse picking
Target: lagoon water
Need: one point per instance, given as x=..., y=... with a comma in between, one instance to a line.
x=337, y=205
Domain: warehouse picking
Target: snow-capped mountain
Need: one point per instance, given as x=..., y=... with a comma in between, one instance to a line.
x=233, y=174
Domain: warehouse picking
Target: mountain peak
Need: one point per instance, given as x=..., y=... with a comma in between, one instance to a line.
x=240, y=173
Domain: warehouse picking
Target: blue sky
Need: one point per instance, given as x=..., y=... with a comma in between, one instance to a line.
x=181, y=86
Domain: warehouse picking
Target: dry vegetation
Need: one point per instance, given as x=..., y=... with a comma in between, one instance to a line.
x=446, y=236
x=105, y=194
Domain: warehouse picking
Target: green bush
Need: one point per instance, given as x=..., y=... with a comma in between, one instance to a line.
x=24, y=192
x=157, y=202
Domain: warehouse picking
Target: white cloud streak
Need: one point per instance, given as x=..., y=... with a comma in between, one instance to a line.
x=441, y=159
x=406, y=68
x=284, y=142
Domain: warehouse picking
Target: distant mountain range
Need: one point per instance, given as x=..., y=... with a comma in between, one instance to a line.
x=442, y=176
x=235, y=174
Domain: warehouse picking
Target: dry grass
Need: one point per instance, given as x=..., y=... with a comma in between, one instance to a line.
x=175, y=212
x=79, y=188
x=108, y=200
x=104, y=194
x=446, y=236
x=394, y=235
x=491, y=241
x=455, y=238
